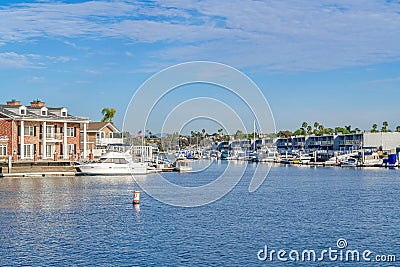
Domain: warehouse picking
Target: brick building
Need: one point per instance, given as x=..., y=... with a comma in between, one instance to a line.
x=37, y=131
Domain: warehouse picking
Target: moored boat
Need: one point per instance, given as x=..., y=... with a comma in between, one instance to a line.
x=114, y=163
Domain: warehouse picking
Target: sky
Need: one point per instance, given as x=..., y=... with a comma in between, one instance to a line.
x=335, y=62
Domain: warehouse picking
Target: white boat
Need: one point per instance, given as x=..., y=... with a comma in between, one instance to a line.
x=350, y=162
x=115, y=163
x=184, y=165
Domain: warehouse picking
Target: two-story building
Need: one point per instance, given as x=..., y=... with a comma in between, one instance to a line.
x=99, y=135
x=39, y=132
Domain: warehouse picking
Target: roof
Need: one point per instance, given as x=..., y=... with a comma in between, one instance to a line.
x=98, y=126
x=53, y=114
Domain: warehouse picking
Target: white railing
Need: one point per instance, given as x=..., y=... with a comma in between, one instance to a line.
x=53, y=136
x=107, y=141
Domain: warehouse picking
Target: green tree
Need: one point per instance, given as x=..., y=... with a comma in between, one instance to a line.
x=304, y=125
x=384, y=126
x=398, y=128
x=203, y=132
x=374, y=128
x=316, y=124
x=239, y=134
x=309, y=129
x=285, y=134
x=108, y=114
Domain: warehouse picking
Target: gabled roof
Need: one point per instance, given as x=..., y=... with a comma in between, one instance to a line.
x=98, y=126
x=12, y=112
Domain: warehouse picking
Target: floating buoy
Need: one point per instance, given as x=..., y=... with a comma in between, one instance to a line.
x=136, y=197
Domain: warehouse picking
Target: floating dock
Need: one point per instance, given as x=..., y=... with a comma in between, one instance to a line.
x=36, y=174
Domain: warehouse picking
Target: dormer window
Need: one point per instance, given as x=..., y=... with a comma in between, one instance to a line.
x=22, y=110
x=64, y=112
x=43, y=111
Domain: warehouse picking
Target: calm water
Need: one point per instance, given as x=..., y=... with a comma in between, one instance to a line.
x=90, y=221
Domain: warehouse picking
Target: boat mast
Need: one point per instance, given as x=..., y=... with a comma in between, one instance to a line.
x=254, y=136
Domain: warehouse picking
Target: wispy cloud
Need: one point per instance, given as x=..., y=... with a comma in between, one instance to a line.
x=387, y=80
x=15, y=60
x=273, y=35
x=12, y=59
x=36, y=79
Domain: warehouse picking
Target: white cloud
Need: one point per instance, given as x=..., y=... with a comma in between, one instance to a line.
x=15, y=60
x=273, y=35
x=36, y=79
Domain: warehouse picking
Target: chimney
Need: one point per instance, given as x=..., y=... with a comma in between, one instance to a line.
x=13, y=102
x=37, y=103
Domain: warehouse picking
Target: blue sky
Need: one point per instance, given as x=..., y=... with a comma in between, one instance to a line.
x=336, y=62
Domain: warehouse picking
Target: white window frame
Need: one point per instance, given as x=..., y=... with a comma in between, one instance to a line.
x=22, y=110
x=28, y=151
x=64, y=112
x=50, y=149
x=29, y=131
x=50, y=131
x=70, y=132
x=3, y=150
x=44, y=111
x=70, y=149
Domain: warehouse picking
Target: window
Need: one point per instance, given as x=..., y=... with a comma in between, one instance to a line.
x=50, y=131
x=43, y=111
x=71, y=132
x=70, y=149
x=3, y=150
x=28, y=151
x=29, y=131
x=22, y=111
x=64, y=112
x=110, y=135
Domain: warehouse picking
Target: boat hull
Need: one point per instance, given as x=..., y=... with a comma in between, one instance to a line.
x=112, y=169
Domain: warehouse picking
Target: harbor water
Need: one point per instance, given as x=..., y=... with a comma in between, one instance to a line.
x=90, y=221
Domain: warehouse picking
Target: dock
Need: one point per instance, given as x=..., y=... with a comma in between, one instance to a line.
x=36, y=174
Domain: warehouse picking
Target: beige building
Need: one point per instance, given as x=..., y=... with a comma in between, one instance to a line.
x=99, y=135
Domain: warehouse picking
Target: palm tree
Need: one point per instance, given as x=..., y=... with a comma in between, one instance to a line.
x=309, y=129
x=108, y=114
x=321, y=129
x=316, y=124
x=304, y=125
x=374, y=128
x=398, y=128
x=384, y=127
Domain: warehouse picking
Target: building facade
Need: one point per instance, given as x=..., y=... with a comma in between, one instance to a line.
x=39, y=132
x=99, y=135
x=342, y=143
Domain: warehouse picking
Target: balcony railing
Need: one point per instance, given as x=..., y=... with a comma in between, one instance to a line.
x=326, y=143
x=107, y=141
x=53, y=136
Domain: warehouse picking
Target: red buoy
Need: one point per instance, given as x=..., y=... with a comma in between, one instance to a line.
x=136, y=197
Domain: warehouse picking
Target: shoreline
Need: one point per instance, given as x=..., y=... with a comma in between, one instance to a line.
x=68, y=168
